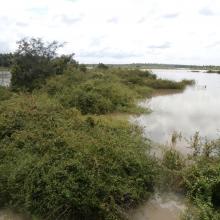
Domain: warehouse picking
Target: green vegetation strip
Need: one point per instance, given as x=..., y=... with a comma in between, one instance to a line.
x=63, y=153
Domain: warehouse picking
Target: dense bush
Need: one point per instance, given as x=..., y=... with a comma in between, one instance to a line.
x=97, y=92
x=59, y=157
x=34, y=61
x=202, y=185
x=102, y=66
x=167, y=84
x=214, y=71
x=6, y=60
x=201, y=176
x=55, y=163
x=5, y=93
x=92, y=93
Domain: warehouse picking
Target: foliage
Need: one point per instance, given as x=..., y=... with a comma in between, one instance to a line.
x=213, y=71
x=172, y=166
x=61, y=154
x=98, y=92
x=102, y=66
x=56, y=163
x=83, y=68
x=202, y=179
x=34, y=61
x=167, y=84
x=6, y=60
x=5, y=93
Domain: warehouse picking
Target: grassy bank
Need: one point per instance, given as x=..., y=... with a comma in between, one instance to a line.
x=64, y=152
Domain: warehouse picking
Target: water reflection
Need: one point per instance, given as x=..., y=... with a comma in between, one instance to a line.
x=196, y=109
x=5, y=78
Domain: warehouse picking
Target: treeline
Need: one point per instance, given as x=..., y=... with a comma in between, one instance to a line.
x=163, y=66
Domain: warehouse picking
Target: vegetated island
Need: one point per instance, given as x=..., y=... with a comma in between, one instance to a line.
x=64, y=154
x=213, y=71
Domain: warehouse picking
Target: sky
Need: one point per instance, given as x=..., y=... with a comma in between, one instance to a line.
x=118, y=31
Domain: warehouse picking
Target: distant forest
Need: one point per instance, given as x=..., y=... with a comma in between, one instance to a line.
x=162, y=66
x=6, y=60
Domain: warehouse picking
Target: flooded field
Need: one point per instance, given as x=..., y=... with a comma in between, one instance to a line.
x=196, y=109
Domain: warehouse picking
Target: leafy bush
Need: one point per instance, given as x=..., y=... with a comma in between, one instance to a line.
x=83, y=68
x=102, y=66
x=5, y=93
x=95, y=96
x=56, y=163
x=34, y=61
x=167, y=84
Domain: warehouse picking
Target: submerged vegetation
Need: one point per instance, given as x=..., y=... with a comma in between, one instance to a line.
x=197, y=176
x=63, y=154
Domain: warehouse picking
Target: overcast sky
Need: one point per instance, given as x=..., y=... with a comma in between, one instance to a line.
x=118, y=31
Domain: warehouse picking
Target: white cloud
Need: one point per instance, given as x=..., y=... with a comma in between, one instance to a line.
x=119, y=31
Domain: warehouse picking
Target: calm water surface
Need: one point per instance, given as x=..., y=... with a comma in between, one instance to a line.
x=196, y=109
x=5, y=78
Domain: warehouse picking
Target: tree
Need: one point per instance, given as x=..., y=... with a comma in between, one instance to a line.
x=6, y=59
x=35, y=61
x=102, y=66
x=83, y=68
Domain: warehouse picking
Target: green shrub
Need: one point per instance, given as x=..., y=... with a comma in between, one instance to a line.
x=34, y=61
x=87, y=102
x=5, y=93
x=102, y=66
x=56, y=163
x=95, y=96
x=172, y=160
x=164, y=84
x=83, y=68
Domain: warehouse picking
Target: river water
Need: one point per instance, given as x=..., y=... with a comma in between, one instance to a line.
x=195, y=109
x=5, y=78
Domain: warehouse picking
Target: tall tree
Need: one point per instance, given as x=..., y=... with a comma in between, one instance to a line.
x=34, y=61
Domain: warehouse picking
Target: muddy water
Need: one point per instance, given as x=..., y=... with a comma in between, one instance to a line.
x=196, y=109
x=9, y=215
x=161, y=207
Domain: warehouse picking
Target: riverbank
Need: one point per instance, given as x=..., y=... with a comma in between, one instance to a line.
x=91, y=165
